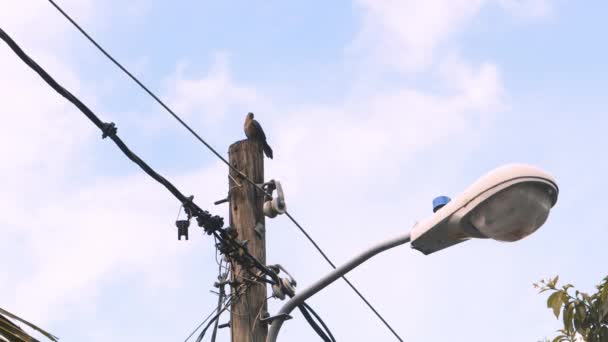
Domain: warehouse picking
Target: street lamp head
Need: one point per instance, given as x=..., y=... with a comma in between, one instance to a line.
x=515, y=212
x=507, y=204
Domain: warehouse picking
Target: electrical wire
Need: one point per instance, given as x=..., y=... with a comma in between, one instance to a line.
x=331, y=336
x=199, y=138
x=200, y=325
x=156, y=98
x=226, y=301
x=304, y=309
x=109, y=130
x=211, y=223
x=369, y=305
x=221, y=285
x=217, y=316
x=223, y=236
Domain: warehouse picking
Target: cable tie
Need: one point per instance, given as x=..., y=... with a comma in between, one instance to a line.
x=108, y=129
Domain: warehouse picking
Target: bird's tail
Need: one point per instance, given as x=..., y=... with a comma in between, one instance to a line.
x=267, y=150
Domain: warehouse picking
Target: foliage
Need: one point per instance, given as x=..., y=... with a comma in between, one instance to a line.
x=11, y=332
x=584, y=316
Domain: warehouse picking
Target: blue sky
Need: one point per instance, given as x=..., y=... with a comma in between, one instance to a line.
x=381, y=105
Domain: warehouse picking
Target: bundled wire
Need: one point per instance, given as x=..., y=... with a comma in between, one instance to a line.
x=215, y=318
x=231, y=298
x=200, y=325
x=199, y=138
x=324, y=333
x=211, y=224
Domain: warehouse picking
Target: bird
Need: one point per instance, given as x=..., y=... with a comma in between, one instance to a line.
x=254, y=132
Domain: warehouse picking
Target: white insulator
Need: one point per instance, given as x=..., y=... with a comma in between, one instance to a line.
x=276, y=206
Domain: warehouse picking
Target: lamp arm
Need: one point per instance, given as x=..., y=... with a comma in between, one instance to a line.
x=322, y=283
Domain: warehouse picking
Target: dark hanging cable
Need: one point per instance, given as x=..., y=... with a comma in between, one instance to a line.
x=320, y=321
x=211, y=224
x=199, y=138
x=304, y=309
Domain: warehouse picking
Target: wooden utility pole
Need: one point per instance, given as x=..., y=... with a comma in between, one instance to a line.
x=247, y=218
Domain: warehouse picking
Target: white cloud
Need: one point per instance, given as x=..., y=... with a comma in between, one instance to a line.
x=117, y=226
x=404, y=35
x=38, y=22
x=355, y=152
x=210, y=98
x=482, y=88
x=407, y=35
x=529, y=8
x=342, y=163
x=64, y=237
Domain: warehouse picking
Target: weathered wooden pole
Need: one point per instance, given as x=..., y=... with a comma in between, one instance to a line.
x=247, y=218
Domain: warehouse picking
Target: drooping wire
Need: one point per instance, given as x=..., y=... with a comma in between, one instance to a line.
x=200, y=325
x=217, y=316
x=109, y=130
x=306, y=310
x=221, y=284
x=156, y=98
x=307, y=307
x=199, y=138
x=212, y=224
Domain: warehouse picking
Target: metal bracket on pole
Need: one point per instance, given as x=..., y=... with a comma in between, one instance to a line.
x=270, y=319
x=260, y=229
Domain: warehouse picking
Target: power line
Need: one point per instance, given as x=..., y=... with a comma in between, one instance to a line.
x=156, y=98
x=211, y=224
x=200, y=325
x=199, y=138
x=371, y=307
x=324, y=332
x=109, y=130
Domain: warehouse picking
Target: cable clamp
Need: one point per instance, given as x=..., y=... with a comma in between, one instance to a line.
x=108, y=129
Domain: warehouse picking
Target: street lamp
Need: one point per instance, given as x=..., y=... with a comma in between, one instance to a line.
x=507, y=204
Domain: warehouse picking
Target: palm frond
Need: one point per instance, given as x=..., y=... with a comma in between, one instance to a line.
x=11, y=332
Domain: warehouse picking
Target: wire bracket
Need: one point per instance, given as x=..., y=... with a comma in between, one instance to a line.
x=108, y=130
x=269, y=319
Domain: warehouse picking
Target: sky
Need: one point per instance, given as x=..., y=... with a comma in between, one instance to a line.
x=372, y=107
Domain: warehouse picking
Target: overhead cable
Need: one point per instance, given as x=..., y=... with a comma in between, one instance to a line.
x=156, y=98
x=369, y=305
x=211, y=224
x=325, y=335
x=199, y=138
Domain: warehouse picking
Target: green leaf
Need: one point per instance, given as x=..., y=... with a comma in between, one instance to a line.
x=604, y=310
x=604, y=293
x=586, y=297
x=580, y=315
x=567, y=316
x=604, y=334
x=555, y=302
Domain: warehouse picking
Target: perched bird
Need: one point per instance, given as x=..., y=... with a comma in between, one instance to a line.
x=254, y=131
